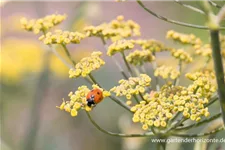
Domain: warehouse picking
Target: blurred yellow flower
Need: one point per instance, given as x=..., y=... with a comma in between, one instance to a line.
x=151, y=45
x=183, y=38
x=41, y=24
x=166, y=72
x=58, y=67
x=181, y=55
x=19, y=57
x=115, y=30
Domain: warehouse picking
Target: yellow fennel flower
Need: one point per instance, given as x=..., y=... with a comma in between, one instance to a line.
x=87, y=65
x=42, y=24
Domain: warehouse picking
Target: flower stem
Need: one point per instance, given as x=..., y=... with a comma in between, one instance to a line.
x=60, y=57
x=199, y=123
x=148, y=134
x=198, y=135
x=128, y=66
x=154, y=66
x=172, y=21
x=214, y=4
x=206, y=63
x=213, y=99
x=114, y=60
x=68, y=54
x=136, y=98
x=190, y=7
x=218, y=67
x=179, y=68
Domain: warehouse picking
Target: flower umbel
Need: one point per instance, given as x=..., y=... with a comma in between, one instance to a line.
x=204, y=50
x=132, y=86
x=151, y=45
x=183, y=38
x=120, y=46
x=115, y=30
x=159, y=108
x=202, y=83
x=62, y=37
x=87, y=65
x=181, y=55
x=166, y=72
x=42, y=24
x=140, y=57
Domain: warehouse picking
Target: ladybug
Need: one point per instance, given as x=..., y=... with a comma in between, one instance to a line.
x=94, y=97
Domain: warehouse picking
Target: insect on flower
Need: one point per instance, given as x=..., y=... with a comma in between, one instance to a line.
x=94, y=97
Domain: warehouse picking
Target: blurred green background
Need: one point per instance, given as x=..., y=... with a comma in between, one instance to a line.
x=21, y=65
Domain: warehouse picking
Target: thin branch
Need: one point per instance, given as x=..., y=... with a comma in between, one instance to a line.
x=68, y=54
x=173, y=21
x=198, y=135
x=179, y=68
x=154, y=66
x=128, y=66
x=136, y=99
x=178, y=122
x=214, y=4
x=60, y=57
x=148, y=134
x=206, y=63
x=114, y=60
x=190, y=7
x=199, y=123
x=213, y=99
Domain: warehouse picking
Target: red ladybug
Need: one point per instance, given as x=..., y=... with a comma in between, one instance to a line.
x=94, y=97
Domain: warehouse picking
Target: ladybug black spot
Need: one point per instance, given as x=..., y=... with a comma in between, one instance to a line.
x=98, y=93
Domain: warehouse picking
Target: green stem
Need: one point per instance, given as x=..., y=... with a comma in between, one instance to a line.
x=213, y=99
x=173, y=21
x=206, y=63
x=154, y=66
x=190, y=7
x=179, y=68
x=68, y=54
x=161, y=145
x=199, y=123
x=128, y=66
x=148, y=134
x=174, y=117
x=60, y=57
x=198, y=135
x=218, y=67
x=114, y=60
x=41, y=89
x=179, y=122
x=214, y=4
x=135, y=97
